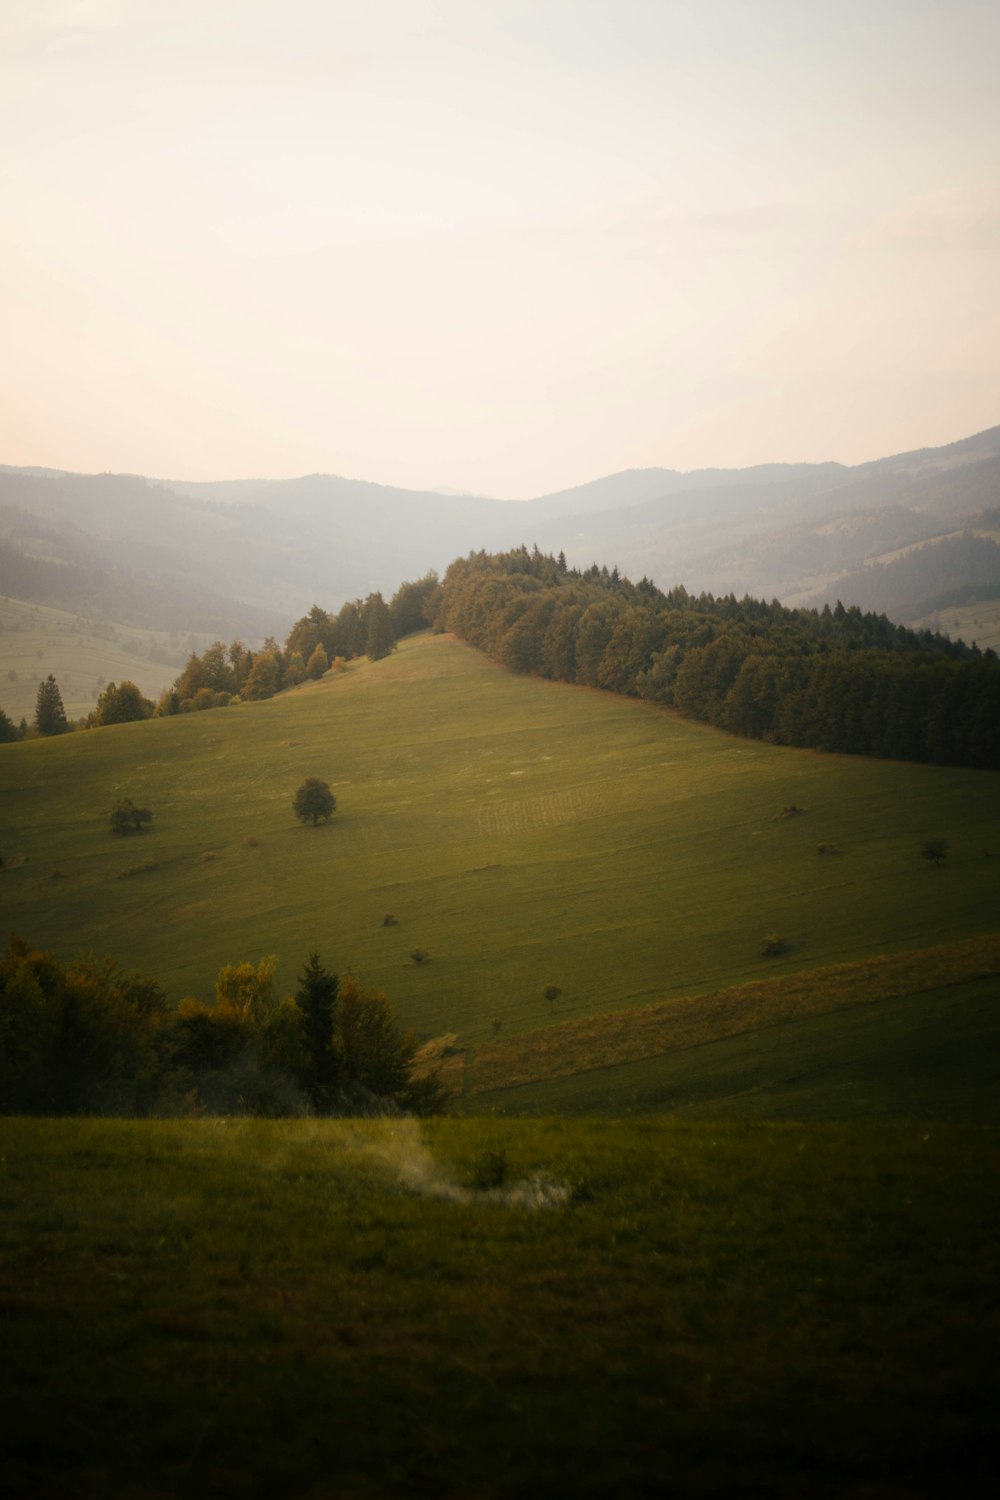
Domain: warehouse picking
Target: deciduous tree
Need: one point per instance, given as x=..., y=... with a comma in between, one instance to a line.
x=314, y=800
x=122, y=704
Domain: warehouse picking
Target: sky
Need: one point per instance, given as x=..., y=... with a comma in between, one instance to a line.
x=498, y=246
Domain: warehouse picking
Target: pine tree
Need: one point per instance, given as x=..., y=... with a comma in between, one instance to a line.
x=50, y=716
x=316, y=998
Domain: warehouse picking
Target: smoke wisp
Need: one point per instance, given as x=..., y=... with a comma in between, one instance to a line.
x=403, y=1153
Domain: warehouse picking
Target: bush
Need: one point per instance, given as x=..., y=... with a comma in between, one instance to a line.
x=935, y=851
x=127, y=818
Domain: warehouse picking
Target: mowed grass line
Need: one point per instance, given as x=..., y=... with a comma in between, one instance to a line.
x=525, y=833
x=649, y=1031
x=262, y=1308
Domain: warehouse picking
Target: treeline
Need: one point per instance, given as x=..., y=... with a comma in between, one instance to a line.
x=362, y=627
x=223, y=674
x=835, y=679
x=86, y=1038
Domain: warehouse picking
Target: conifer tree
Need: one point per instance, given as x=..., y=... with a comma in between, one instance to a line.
x=50, y=716
x=316, y=998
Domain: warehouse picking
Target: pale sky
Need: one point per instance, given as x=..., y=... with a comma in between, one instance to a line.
x=497, y=245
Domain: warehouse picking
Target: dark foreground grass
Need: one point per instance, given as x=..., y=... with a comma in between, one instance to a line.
x=212, y=1309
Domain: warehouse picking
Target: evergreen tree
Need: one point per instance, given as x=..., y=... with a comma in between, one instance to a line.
x=316, y=998
x=8, y=729
x=50, y=716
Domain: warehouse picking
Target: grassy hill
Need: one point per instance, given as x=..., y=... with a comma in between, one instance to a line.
x=83, y=655
x=979, y=622
x=525, y=833
x=641, y=1308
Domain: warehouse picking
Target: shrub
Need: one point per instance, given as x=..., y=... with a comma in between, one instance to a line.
x=935, y=851
x=127, y=818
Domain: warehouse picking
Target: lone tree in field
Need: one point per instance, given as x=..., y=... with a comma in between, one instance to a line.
x=50, y=716
x=935, y=851
x=314, y=800
x=127, y=818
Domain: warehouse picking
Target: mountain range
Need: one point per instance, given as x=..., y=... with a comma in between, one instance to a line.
x=904, y=534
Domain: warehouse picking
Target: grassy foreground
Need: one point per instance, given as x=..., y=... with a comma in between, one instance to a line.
x=527, y=834
x=334, y=1309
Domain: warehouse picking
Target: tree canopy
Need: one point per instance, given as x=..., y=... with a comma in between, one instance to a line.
x=832, y=679
x=122, y=704
x=313, y=801
x=87, y=1038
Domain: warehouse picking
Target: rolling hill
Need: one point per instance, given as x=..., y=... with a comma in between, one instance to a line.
x=526, y=833
x=84, y=653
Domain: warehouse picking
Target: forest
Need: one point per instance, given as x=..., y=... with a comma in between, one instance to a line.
x=834, y=679
x=831, y=679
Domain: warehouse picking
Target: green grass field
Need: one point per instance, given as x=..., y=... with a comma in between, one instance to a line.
x=978, y=622
x=83, y=656
x=525, y=833
x=781, y=1286
x=930, y=1055
x=332, y=1309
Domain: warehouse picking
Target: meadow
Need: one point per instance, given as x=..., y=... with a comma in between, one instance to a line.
x=83, y=655
x=363, y=1309
x=979, y=622
x=526, y=834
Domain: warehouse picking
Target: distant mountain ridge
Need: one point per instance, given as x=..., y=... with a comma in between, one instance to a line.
x=261, y=551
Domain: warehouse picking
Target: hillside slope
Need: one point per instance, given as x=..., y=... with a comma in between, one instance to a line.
x=525, y=833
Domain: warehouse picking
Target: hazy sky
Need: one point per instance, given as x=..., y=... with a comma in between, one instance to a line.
x=498, y=245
